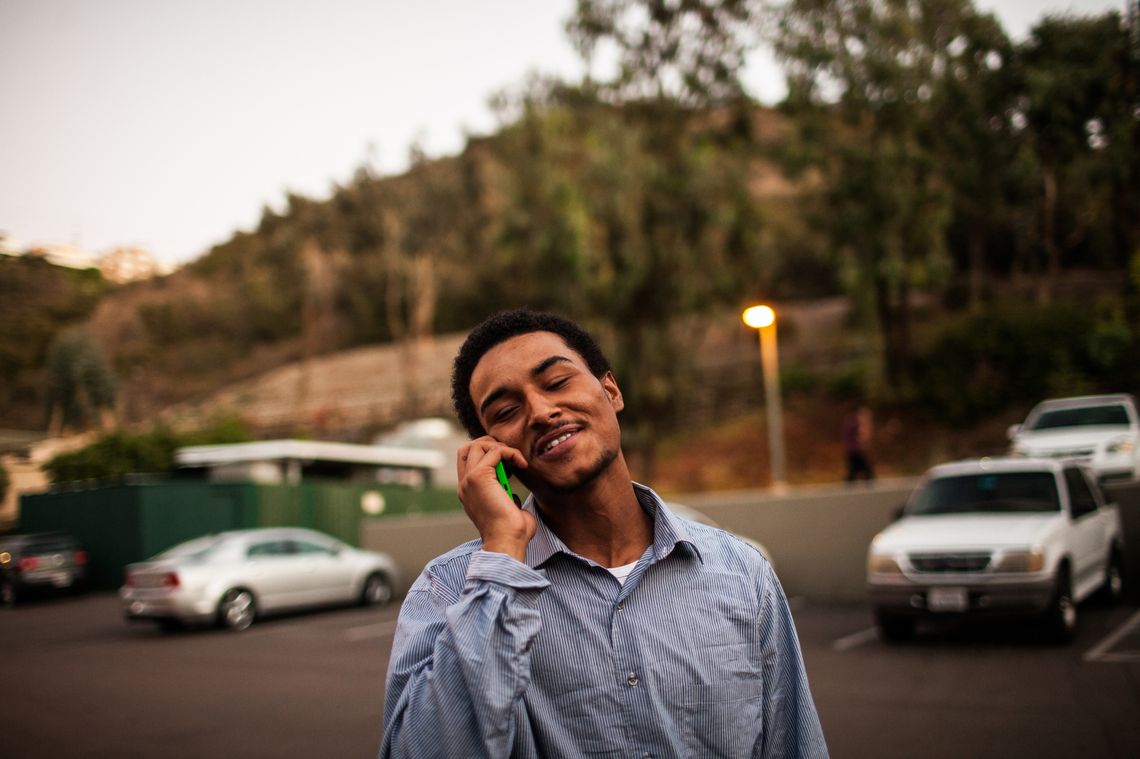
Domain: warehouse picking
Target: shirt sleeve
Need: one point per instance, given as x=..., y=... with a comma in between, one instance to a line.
x=461, y=661
x=791, y=725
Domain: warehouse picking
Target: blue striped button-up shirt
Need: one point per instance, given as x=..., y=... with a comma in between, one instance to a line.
x=694, y=656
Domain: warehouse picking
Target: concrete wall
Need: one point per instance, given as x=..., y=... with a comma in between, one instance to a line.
x=817, y=536
x=413, y=541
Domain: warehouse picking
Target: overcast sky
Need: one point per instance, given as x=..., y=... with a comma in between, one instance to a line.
x=170, y=124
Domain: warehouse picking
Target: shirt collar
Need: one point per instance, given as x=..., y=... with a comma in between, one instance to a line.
x=669, y=531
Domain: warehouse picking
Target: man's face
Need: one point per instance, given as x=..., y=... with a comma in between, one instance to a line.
x=535, y=393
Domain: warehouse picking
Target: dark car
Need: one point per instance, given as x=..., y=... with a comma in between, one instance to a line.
x=39, y=562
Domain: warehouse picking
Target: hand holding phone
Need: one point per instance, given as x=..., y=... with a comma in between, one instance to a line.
x=501, y=473
x=483, y=466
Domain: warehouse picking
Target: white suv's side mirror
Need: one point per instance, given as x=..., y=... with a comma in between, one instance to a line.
x=1012, y=431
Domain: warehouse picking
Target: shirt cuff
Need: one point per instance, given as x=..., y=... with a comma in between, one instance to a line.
x=505, y=570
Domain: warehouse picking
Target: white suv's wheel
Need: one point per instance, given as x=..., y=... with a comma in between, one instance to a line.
x=1061, y=616
x=1113, y=588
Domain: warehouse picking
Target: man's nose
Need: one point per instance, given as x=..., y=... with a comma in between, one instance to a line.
x=542, y=410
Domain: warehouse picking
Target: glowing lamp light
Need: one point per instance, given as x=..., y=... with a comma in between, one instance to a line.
x=763, y=320
x=759, y=317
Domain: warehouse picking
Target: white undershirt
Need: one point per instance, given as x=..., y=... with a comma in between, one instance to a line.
x=623, y=571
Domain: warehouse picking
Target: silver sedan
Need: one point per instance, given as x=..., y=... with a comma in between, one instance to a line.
x=231, y=578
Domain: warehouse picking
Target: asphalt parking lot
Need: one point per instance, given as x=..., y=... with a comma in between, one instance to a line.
x=80, y=682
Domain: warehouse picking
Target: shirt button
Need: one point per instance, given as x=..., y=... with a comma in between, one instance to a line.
x=621, y=605
x=632, y=680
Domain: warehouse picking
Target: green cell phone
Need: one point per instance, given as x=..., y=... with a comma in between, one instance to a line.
x=501, y=472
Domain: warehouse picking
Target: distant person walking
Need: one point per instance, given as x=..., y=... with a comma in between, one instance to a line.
x=857, y=442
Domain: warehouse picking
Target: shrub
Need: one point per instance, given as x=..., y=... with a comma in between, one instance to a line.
x=114, y=456
x=984, y=362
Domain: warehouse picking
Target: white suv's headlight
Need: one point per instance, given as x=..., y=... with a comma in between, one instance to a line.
x=1021, y=561
x=1120, y=445
x=882, y=564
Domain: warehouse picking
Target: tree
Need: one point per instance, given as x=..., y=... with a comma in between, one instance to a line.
x=864, y=75
x=634, y=220
x=691, y=51
x=37, y=300
x=80, y=382
x=1080, y=111
x=977, y=144
x=5, y=482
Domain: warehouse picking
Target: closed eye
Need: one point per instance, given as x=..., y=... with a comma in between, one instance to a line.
x=504, y=414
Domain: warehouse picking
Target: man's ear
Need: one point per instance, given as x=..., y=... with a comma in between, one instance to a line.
x=613, y=392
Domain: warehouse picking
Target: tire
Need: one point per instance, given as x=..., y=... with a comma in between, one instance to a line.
x=9, y=597
x=376, y=591
x=1061, y=616
x=894, y=628
x=236, y=610
x=1113, y=589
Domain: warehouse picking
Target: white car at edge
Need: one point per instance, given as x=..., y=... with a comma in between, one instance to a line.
x=997, y=537
x=1102, y=431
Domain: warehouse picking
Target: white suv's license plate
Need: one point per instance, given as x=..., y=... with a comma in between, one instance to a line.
x=947, y=599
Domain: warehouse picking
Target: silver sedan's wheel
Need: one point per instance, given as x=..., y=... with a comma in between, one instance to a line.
x=377, y=590
x=236, y=609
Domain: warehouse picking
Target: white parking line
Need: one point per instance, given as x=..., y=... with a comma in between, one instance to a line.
x=849, y=642
x=364, y=632
x=1100, y=651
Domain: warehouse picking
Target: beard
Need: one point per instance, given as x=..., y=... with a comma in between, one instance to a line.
x=583, y=480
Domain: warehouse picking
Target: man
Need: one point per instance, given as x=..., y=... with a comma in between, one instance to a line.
x=591, y=621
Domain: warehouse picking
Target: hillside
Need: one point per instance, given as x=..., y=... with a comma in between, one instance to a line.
x=433, y=250
x=347, y=395
x=352, y=395
x=651, y=224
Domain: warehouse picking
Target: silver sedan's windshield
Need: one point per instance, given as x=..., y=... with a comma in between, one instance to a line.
x=1084, y=416
x=1004, y=492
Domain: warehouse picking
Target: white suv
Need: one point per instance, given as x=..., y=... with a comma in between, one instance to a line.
x=1102, y=431
x=997, y=537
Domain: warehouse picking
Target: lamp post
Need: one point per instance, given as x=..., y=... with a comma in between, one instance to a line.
x=763, y=319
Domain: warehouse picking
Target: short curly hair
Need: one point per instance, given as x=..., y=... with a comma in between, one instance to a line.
x=499, y=328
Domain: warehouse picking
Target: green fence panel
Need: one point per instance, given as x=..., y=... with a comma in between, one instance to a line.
x=105, y=521
x=279, y=506
x=335, y=509
x=174, y=512
x=401, y=501
x=121, y=524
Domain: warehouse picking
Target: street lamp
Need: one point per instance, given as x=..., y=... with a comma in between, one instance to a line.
x=763, y=319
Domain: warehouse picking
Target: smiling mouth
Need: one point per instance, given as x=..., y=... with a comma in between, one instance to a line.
x=551, y=445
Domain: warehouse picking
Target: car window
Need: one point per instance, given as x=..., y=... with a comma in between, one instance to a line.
x=1114, y=415
x=270, y=548
x=1081, y=499
x=198, y=548
x=48, y=545
x=312, y=549
x=1000, y=492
